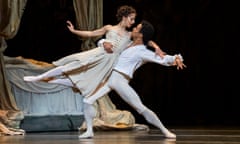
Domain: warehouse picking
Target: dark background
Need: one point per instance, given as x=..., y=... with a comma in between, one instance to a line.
x=203, y=31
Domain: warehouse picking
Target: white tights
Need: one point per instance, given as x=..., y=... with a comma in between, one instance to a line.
x=89, y=114
x=57, y=71
x=121, y=85
x=51, y=73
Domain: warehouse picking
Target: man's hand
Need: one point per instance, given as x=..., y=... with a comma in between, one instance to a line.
x=178, y=62
x=108, y=47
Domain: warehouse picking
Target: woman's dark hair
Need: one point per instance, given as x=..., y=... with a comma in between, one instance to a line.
x=147, y=31
x=124, y=10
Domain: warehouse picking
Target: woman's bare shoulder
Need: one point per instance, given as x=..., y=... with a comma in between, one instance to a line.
x=108, y=27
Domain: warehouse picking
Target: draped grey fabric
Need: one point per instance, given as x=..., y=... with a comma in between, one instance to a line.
x=40, y=98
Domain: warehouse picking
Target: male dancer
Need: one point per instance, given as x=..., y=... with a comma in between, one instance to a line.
x=128, y=62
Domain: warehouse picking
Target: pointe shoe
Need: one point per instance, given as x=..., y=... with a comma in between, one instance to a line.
x=86, y=135
x=36, y=78
x=30, y=78
x=170, y=135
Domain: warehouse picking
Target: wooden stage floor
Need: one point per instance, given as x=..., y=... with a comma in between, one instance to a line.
x=184, y=136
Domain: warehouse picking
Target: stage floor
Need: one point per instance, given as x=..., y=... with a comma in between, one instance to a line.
x=200, y=135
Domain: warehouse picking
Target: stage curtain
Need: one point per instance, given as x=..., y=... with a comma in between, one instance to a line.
x=10, y=17
x=89, y=16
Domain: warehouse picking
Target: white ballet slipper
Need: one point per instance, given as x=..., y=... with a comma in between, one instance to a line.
x=170, y=135
x=31, y=78
x=86, y=135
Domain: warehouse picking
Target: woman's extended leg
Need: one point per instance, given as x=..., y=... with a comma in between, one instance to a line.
x=51, y=73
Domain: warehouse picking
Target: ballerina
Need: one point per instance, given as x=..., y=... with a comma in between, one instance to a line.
x=87, y=70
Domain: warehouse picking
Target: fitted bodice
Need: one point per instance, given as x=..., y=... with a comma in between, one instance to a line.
x=119, y=42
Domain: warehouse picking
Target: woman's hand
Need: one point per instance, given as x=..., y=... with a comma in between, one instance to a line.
x=70, y=26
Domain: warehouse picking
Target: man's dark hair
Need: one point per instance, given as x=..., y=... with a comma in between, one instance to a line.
x=147, y=31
